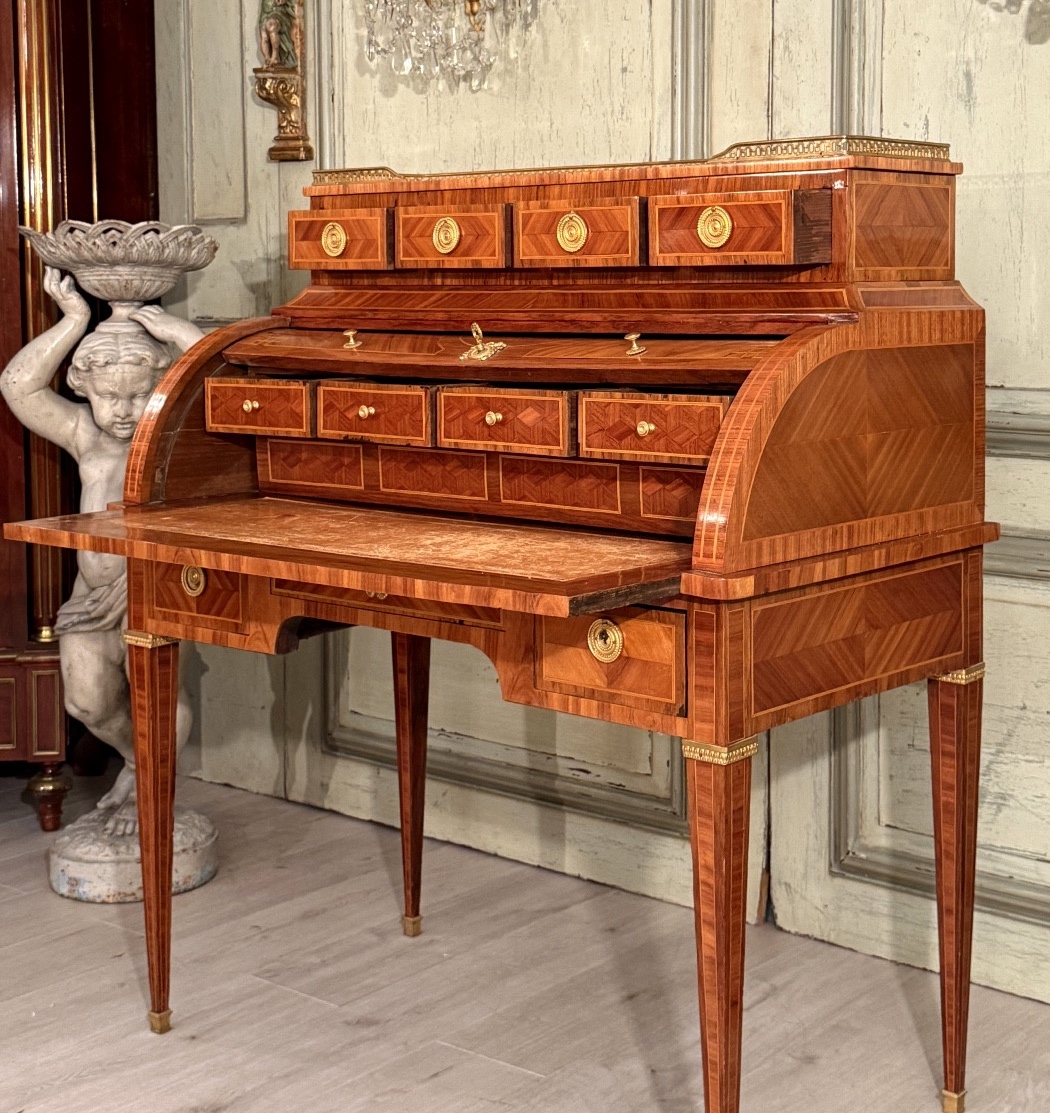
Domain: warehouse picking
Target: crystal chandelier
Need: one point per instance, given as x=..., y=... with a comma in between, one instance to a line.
x=450, y=40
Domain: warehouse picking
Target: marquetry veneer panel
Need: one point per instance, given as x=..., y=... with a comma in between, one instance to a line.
x=817, y=643
x=768, y=228
x=386, y=414
x=904, y=230
x=266, y=406
x=613, y=233
x=613, y=495
x=220, y=606
x=473, y=235
x=360, y=239
x=533, y=421
x=674, y=428
x=649, y=673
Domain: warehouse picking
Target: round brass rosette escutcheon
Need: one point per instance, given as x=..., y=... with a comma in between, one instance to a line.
x=605, y=640
x=193, y=580
x=572, y=232
x=333, y=239
x=446, y=235
x=714, y=227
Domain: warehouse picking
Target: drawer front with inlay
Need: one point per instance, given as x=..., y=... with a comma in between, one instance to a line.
x=454, y=236
x=339, y=239
x=541, y=422
x=275, y=408
x=208, y=597
x=632, y=656
x=592, y=234
x=669, y=428
x=376, y=412
x=769, y=228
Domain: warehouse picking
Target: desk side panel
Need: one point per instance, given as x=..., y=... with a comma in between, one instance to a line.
x=849, y=436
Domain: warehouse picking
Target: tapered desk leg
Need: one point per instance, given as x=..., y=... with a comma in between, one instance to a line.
x=411, y=698
x=153, y=668
x=719, y=807
x=955, y=751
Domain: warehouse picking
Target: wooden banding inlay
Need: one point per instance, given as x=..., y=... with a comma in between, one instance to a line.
x=561, y=483
x=363, y=239
x=453, y=475
x=276, y=408
x=376, y=412
x=497, y=419
x=648, y=673
x=337, y=467
x=219, y=606
x=677, y=428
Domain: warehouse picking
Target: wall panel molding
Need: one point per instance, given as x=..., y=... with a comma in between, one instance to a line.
x=691, y=75
x=856, y=67
x=1018, y=435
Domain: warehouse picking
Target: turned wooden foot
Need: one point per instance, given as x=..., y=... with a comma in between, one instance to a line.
x=411, y=698
x=719, y=807
x=955, y=752
x=48, y=789
x=153, y=669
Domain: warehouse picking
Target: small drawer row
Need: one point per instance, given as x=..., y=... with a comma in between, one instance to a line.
x=594, y=423
x=762, y=228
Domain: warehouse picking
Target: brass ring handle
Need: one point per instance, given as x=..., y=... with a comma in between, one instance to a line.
x=572, y=232
x=714, y=227
x=605, y=640
x=248, y=405
x=446, y=235
x=333, y=239
x=644, y=428
x=493, y=418
x=364, y=411
x=193, y=580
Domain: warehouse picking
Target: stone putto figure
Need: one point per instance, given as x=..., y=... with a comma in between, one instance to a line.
x=115, y=370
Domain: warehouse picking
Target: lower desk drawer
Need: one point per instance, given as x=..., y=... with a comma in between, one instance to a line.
x=206, y=597
x=633, y=656
x=376, y=412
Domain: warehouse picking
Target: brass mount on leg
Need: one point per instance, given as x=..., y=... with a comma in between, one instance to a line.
x=412, y=925
x=160, y=1022
x=953, y=1103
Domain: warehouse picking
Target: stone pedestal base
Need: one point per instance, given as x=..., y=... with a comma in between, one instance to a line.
x=84, y=863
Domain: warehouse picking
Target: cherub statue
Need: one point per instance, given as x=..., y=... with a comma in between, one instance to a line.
x=115, y=369
x=278, y=33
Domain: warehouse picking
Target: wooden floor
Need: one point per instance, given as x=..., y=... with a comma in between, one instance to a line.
x=295, y=992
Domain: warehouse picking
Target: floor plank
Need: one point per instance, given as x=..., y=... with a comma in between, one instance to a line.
x=293, y=988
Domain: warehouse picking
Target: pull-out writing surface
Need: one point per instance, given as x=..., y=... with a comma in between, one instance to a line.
x=557, y=572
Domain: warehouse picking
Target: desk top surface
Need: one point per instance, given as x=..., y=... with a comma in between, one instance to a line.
x=538, y=569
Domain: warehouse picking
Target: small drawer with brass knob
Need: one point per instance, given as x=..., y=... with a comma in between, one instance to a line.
x=667, y=428
x=633, y=656
x=209, y=598
x=776, y=227
x=274, y=407
x=452, y=236
x=571, y=233
x=505, y=419
x=383, y=413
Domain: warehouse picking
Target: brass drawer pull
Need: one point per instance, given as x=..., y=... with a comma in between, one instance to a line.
x=493, y=418
x=572, y=232
x=351, y=338
x=193, y=580
x=605, y=640
x=446, y=235
x=333, y=239
x=635, y=349
x=248, y=405
x=644, y=428
x=376, y=594
x=365, y=411
x=714, y=227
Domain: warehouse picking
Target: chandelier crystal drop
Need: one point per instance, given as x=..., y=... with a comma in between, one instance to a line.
x=455, y=41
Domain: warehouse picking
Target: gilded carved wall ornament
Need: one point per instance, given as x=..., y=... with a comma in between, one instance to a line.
x=279, y=80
